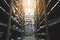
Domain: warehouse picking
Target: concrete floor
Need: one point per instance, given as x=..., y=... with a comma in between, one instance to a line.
x=29, y=38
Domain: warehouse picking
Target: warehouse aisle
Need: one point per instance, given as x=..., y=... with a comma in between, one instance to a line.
x=29, y=38
x=29, y=19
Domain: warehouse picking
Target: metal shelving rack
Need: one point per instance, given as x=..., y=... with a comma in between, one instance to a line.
x=49, y=20
x=10, y=21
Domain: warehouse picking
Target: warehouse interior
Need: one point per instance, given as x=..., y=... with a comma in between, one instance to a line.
x=29, y=19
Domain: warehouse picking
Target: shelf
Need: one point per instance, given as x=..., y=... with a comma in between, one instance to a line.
x=41, y=27
x=51, y=23
x=40, y=30
x=54, y=12
x=42, y=22
x=54, y=21
x=19, y=30
x=49, y=1
x=40, y=16
x=42, y=37
x=15, y=25
x=15, y=8
x=14, y=34
x=51, y=4
x=15, y=15
x=3, y=11
x=4, y=6
x=15, y=20
x=2, y=24
x=15, y=12
x=41, y=34
x=7, y=2
x=16, y=2
x=3, y=16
